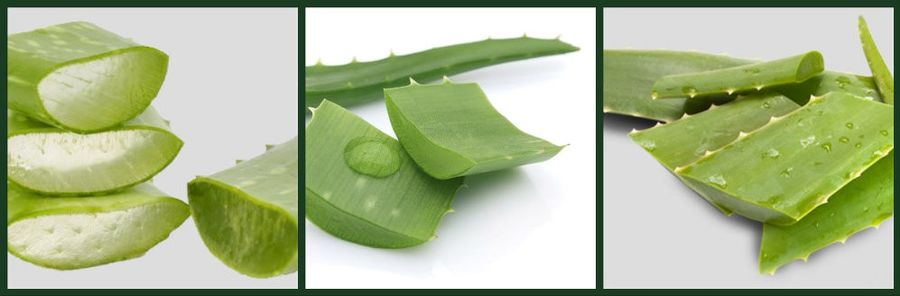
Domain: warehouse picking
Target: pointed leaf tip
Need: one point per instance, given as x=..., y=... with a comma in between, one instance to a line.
x=269, y=147
x=413, y=81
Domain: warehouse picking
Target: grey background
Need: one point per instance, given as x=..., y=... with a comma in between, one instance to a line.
x=660, y=234
x=231, y=88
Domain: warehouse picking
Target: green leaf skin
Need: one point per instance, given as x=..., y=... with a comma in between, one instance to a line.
x=628, y=77
x=743, y=78
x=399, y=210
x=247, y=214
x=80, y=77
x=683, y=142
x=52, y=161
x=451, y=130
x=880, y=70
x=80, y=232
x=781, y=172
x=357, y=82
x=864, y=203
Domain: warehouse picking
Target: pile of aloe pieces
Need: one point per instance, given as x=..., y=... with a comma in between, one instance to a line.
x=366, y=187
x=806, y=151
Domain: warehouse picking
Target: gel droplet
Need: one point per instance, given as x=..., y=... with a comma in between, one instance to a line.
x=766, y=105
x=827, y=147
x=849, y=125
x=375, y=157
x=719, y=181
x=648, y=145
x=806, y=142
x=885, y=133
x=858, y=145
x=845, y=140
x=787, y=172
x=772, y=153
x=842, y=81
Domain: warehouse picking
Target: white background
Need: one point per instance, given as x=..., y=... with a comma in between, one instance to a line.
x=231, y=88
x=531, y=227
x=660, y=234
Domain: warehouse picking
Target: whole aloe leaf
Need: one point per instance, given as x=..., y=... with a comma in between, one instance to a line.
x=49, y=160
x=801, y=159
x=362, y=187
x=361, y=82
x=880, y=70
x=247, y=214
x=864, y=203
x=80, y=232
x=80, y=77
x=743, y=78
x=452, y=130
x=629, y=75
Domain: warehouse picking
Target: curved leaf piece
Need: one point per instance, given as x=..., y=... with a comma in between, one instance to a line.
x=52, y=161
x=80, y=77
x=80, y=232
x=360, y=82
x=452, y=130
x=247, y=214
x=796, y=168
x=880, y=70
x=756, y=76
x=362, y=187
x=629, y=75
x=864, y=203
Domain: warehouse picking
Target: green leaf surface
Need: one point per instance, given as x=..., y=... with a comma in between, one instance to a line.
x=80, y=232
x=757, y=76
x=247, y=214
x=628, y=77
x=360, y=82
x=880, y=70
x=864, y=203
x=49, y=160
x=452, y=130
x=781, y=172
x=80, y=77
x=385, y=210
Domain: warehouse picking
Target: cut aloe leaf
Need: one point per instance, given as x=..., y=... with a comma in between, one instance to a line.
x=247, y=215
x=80, y=232
x=451, y=130
x=801, y=159
x=880, y=70
x=360, y=82
x=80, y=77
x=362, y=187
x=52, y=161
x=683, y=142
x=756, y=76
x=864, y=203
x=629, y=75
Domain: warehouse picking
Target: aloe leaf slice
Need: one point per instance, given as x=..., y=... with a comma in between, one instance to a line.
x=80, y=77
x=451, y=130
x=864, y=203
x=53, y=161
x=683, y=142
x=743, y=78
x=80, y=232
x=629, y=75
x=360, y=82
x=247, y=214
x=362, y=187
x=801, y=159
x=880, y=70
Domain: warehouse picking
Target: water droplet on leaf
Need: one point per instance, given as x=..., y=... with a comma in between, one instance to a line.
x=375, y=157
x=719, y=181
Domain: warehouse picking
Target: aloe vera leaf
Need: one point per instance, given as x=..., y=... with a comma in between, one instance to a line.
x=80, y=77
x=362, y=187
x=880, y=70
x=452, y=130
x=743, y=78
x=628, y=77
x=684, y=141
x=358, y=82
x=864, y=203
x=79, y=232
x=247, y=214
x=49, y=160
x=801, y=159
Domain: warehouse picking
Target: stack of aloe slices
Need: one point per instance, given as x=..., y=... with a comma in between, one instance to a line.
x=364, y=186
x=805, y=151
x=83, y=142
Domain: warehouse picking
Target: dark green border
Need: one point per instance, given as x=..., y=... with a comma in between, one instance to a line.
x=4, y=290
